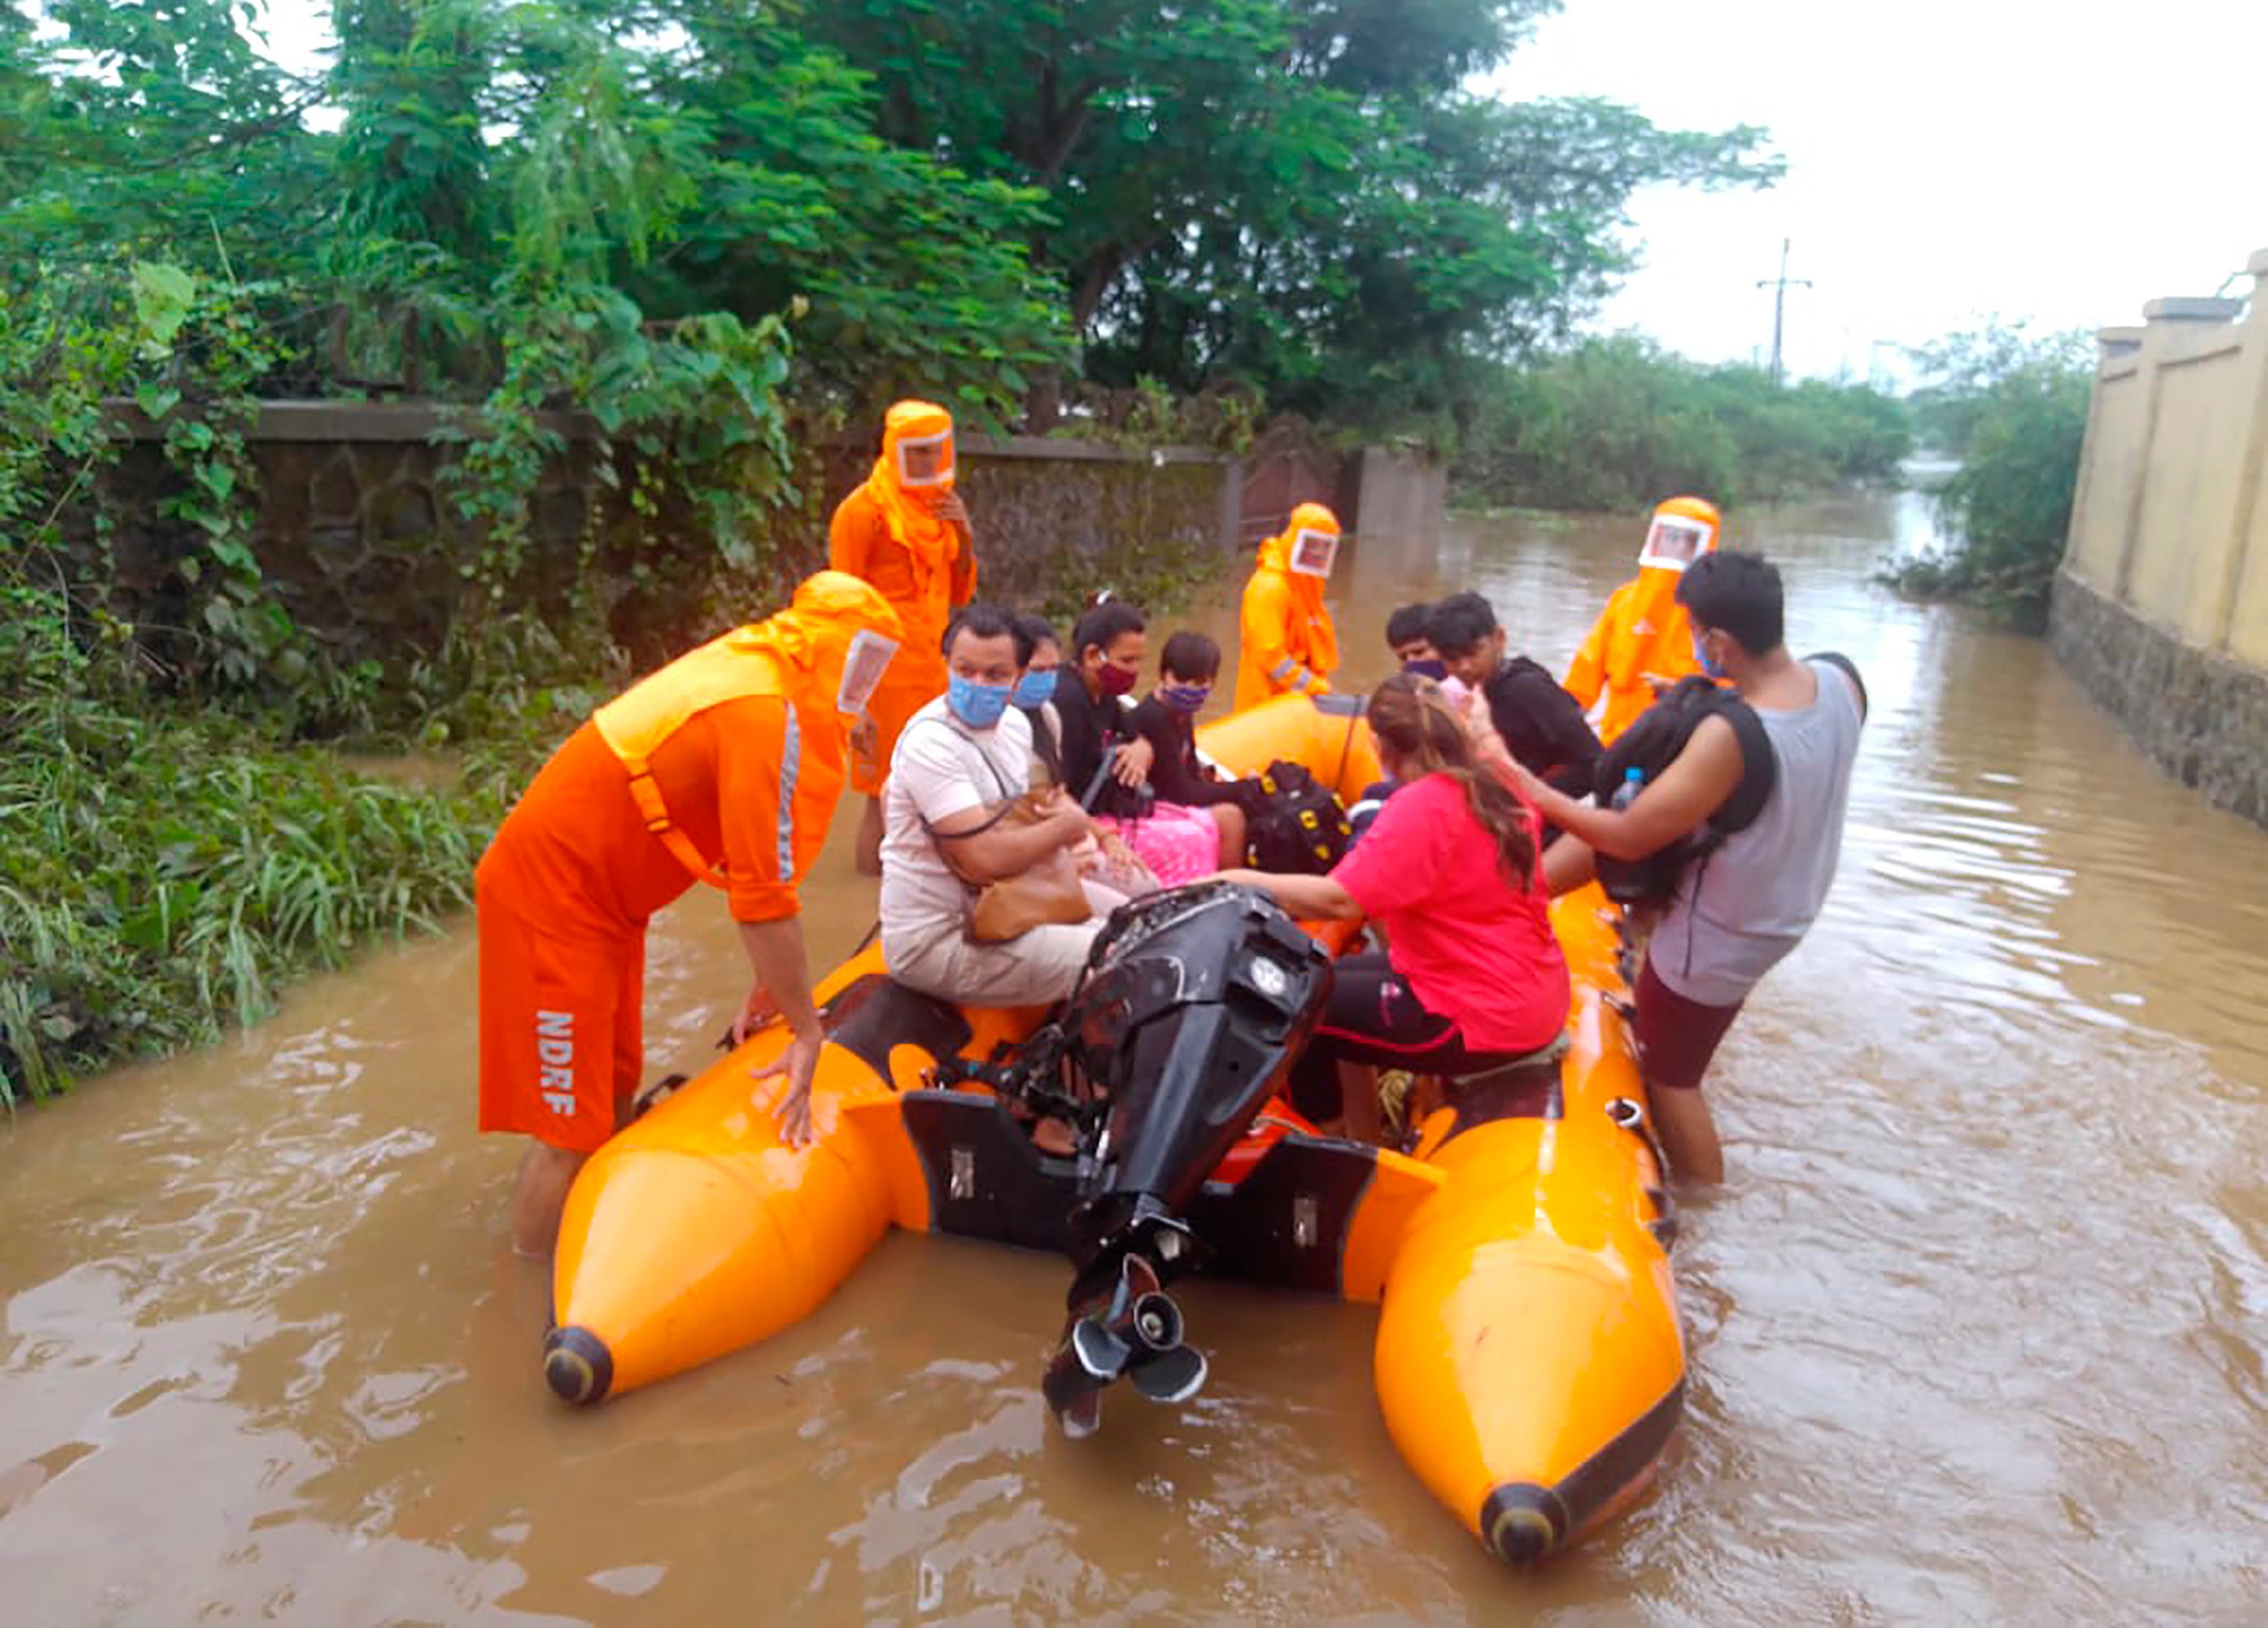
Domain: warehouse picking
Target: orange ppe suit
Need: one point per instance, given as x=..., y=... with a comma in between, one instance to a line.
x=1644, y=629
x=1287, y=644
x=732, y=754
x=888, y=532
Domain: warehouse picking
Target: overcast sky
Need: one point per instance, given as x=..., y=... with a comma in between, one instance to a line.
x=1947, y=160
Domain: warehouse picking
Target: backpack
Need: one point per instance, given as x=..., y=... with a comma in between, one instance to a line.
x=1292, y=823
x=1650, y=744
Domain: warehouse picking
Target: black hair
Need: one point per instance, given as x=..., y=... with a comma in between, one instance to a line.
x=1411, y=621
x=1103, y=627
x=1039, y=630
x=988, y=621
x=1190, y=654
x=1459, y=623
x=1738, y=594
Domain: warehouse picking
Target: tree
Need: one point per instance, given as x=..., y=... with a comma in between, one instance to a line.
x=159, y=128
x=2014, y=406
x=1295, y=193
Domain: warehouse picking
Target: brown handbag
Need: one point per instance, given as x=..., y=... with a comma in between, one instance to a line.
x=1048, y=892
x=1011, y=906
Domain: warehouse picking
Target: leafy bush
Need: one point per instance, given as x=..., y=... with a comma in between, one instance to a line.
x=1618, y=423
x=165, y=872
x=2013, y=408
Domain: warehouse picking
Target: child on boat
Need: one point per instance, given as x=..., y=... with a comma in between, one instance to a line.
x=1196, y=825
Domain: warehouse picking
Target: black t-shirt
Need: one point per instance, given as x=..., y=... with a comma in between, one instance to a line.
x=1175, y=774
x=1542, y=725
x=1091, y=726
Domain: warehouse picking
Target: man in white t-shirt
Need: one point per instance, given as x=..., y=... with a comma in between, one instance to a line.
x=958, y=760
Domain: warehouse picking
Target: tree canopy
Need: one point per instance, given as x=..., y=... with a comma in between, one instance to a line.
x=983, y=199
x=1299, y=195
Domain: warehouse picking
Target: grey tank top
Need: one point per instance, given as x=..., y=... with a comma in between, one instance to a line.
x=1735, y=916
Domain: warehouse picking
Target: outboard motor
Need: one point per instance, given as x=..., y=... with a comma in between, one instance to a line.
x=1195, y=1002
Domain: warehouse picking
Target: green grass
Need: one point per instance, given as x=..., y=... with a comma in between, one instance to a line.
x=164, y=876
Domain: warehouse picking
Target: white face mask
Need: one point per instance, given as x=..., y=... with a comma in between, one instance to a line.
x=1313, y=552
x=863, y=666
x=1674, y=543
x=931, y=455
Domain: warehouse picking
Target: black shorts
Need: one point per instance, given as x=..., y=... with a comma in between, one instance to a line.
x=1373, y=1018
x=1676, y=1037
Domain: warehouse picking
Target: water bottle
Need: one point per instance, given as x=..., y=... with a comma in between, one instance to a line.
x=1626, y=793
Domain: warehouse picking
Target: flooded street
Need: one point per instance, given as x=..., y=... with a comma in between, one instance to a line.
x=1978, y=1327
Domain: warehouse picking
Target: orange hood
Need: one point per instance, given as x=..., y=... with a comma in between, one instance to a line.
x=1653, y=634
x=910, y=512
x=1322, y=645
x=804, y=647
x=812, y=637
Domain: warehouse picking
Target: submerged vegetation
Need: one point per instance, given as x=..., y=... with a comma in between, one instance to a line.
x=2012, y=409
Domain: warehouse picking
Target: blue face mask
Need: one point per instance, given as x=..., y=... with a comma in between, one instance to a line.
x=1701, y=655
x=1428, y=667
x=1186, y=698
x=979, y=706
x=1036, y=689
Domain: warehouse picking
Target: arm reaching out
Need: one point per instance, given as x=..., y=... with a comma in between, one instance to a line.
x=783, y=979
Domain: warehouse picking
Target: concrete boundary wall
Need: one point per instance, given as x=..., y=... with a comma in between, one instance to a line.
x=2162, y=605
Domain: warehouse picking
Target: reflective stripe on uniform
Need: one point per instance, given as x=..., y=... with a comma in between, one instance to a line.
x=791, y=762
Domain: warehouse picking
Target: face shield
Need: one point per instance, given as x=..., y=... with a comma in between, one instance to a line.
x=863, y=666
x=1313, y=552
x=1674, y=543
x=924, y=463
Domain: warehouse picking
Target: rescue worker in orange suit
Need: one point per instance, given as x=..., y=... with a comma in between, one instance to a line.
x=906, y=531
x=1288, y=644
x=1643, y=638
x=724, y=767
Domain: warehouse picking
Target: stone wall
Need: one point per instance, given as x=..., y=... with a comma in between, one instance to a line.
x=2161, y=610
x=2203, y=717
x=1057, y=519
x=356, y=525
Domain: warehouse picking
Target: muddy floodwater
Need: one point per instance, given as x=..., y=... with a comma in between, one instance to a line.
x=1977, y=1327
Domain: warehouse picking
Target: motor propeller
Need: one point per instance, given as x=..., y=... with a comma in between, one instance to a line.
x=1134, y=1333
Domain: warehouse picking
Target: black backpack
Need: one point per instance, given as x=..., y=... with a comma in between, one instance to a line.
x=1650, y=744
x=1292, y=823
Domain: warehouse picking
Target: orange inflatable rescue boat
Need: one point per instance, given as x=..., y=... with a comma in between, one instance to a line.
x=1528, y=1363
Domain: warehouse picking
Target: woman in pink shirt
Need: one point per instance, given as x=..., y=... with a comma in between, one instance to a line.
x=1472, y=978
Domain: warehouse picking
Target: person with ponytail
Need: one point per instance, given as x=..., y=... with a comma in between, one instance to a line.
x=1473, y=978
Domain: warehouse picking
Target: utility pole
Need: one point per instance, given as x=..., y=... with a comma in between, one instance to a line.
x=1779, y=286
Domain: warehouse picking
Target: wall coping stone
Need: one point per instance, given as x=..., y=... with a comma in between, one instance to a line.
x=332, y=420
x=390, y=421
x=2180, y=309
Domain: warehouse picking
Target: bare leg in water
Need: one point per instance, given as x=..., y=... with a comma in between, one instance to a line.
x=546, y=1173
x=1688, y=1136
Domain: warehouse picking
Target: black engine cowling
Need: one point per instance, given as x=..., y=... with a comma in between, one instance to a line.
x=1196, y=1003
